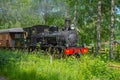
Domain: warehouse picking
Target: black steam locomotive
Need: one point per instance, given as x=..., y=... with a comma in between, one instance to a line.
x=43, y=37
x=65, y=40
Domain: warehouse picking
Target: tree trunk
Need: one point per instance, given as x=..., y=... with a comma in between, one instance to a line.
x=45, y=18
x=67, y=13
x=111, y=30
x=98, y=45
x=75, y=15
x=45, y=12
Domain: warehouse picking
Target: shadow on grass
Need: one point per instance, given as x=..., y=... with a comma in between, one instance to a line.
x=15, y=73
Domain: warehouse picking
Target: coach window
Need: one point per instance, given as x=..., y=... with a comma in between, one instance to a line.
x=46, y=30
x=18, y=35
x=34, y=31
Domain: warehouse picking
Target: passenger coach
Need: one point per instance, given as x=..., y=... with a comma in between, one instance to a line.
x=12, y=38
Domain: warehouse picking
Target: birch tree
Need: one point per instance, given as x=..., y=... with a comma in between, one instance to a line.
x=111, y=30
x=98, y=45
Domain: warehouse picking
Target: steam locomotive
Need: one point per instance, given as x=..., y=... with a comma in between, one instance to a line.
x=43, y=37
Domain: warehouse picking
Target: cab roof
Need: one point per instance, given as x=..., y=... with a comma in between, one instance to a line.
x=15, y=30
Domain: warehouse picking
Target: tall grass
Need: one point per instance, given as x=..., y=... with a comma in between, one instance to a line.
x=20, y=65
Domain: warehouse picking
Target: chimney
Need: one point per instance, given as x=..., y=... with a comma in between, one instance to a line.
x=67, y=24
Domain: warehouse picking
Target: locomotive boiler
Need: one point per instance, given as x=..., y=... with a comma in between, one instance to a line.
x=56, y=39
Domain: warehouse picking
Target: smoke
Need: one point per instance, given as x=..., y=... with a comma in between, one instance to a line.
x=51, y=7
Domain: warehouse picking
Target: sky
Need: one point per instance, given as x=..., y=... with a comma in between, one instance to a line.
x=117, y=10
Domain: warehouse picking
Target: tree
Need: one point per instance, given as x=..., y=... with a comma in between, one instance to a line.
x=112, y=30
x=98, y=45
x=75, y=14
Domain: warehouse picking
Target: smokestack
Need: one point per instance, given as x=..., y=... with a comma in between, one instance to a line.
x=67, y=24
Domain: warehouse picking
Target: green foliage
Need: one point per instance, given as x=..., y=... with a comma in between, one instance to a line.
x=34, y=66
x=117, y=53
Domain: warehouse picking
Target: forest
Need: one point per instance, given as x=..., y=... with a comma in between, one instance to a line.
x=97, y=23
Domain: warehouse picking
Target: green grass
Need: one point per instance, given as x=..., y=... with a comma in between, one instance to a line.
x=19, y=65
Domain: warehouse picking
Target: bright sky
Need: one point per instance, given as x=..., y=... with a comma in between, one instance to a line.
x=117, y=10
